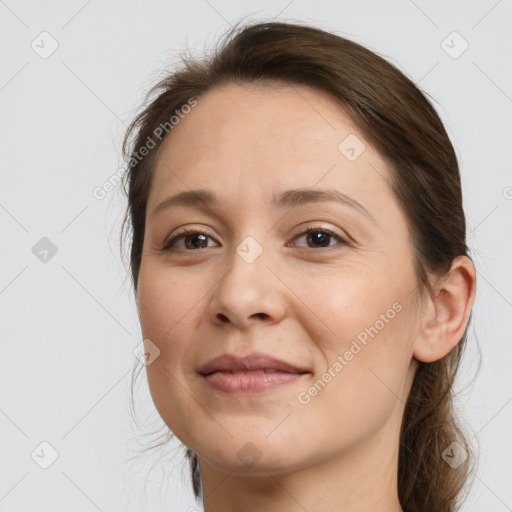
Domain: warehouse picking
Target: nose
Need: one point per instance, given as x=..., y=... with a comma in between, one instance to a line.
x=248, y=294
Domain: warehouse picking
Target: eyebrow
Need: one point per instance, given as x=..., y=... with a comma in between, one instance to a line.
x=286, y=199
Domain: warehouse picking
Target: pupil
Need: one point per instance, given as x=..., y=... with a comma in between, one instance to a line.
x=319, y=237
x=195, y=237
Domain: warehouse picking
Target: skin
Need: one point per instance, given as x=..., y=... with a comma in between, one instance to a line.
x=297, y=301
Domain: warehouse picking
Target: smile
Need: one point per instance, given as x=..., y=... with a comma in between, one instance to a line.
x=249, y=374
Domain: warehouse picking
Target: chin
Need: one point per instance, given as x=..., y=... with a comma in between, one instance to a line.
x=255, y=455
x=250, y=460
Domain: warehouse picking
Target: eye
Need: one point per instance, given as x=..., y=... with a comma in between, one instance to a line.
x=191, y=238
x=319, y=237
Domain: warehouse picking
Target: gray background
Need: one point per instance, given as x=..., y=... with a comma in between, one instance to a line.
x=69, y=325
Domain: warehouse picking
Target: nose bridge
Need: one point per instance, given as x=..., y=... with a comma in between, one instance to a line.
x=248, y=290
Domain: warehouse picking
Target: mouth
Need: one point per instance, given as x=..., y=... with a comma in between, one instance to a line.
x=247, y=375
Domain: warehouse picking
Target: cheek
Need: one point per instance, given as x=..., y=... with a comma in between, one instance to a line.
x=367, y=352
x=166, y=301
x=166, y=313
x=348, y=302
x=363, y=383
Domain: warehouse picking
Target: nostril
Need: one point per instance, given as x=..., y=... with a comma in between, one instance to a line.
x=223, y=318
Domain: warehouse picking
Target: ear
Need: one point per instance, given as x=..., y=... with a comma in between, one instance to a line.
x=445, y=314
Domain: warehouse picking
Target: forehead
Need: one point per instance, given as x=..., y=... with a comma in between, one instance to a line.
x=277, y=117
x=266, y=137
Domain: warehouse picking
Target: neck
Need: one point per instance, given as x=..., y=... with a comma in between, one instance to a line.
x=358, y=479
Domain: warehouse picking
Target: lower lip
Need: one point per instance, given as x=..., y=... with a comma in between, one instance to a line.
x=248, y=384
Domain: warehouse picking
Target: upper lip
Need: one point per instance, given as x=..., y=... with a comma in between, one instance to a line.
x=256, y=361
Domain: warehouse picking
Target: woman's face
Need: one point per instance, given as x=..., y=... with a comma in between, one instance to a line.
x=339, y=304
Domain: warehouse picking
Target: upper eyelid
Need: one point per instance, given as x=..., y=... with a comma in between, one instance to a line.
x=300, y=231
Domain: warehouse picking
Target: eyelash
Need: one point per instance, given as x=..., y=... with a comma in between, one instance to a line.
x=169, y=244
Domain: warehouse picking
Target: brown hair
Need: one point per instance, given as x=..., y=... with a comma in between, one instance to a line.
x=401, y=123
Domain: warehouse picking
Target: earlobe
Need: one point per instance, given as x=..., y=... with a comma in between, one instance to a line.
x=446, y=313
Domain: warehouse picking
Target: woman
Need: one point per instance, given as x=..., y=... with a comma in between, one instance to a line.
x=303, y=283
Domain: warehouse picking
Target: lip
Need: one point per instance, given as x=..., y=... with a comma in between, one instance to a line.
x=251, y=374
